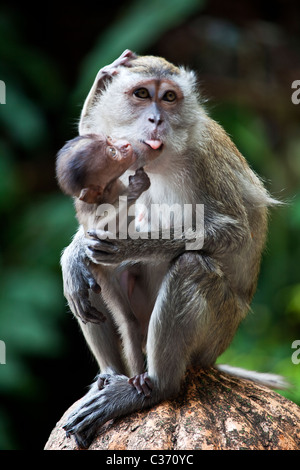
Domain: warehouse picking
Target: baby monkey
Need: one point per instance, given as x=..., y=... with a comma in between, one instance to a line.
x=88, y=168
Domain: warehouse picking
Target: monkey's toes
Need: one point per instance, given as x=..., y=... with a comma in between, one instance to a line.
x=142, y=384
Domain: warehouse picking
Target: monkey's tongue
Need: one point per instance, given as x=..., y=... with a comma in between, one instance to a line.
x=154, y=144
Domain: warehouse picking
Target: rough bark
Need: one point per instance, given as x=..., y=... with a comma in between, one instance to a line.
x=213, y=411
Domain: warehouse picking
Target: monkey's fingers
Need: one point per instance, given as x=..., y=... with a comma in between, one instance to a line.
x=98, y=235
x=90, y=281
x=90, y=313
x=82, y=308
x=94, y=286
x=142, y=383
x=93, y=234
x=125, y=58
x=94, y=316
x=112, y=69
x=102, y=245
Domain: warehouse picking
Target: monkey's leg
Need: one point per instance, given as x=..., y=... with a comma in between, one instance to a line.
x=87, y=418
x=103, y=340
x=79, y=282
x=194, y=320
x=180, y=326
x=115, y=294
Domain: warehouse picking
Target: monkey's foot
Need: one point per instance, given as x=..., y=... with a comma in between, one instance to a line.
x=142, y=383
x=116, y=399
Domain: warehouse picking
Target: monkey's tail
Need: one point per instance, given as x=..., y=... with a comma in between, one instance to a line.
x=263, y=378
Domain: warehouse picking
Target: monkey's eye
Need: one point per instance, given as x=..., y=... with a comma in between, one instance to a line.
x=169, y=96
x=112, y=151
x=142, y=93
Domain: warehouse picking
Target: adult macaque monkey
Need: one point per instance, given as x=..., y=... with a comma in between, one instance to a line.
x=185, y=305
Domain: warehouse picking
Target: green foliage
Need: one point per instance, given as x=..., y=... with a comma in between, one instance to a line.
x=31, y=300
x=137, y=28
x=35, y=227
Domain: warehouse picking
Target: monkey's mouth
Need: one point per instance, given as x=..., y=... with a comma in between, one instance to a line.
x=154, y=144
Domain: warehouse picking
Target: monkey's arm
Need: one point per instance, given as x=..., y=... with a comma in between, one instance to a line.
x=78, y=280
x=138, y=183
x=220, y=234
x=114, y=251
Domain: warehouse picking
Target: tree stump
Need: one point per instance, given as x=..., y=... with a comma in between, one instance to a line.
x=214, y=411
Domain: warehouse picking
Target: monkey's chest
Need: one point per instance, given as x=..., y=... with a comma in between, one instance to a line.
x=160, y=212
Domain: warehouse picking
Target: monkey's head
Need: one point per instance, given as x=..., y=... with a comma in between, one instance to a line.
x=87, y=165
x=150, y=102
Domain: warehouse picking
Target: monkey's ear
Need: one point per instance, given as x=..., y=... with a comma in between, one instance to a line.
x=91, y=195
x=188, y=80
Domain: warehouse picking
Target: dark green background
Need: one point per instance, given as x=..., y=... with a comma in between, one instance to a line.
x=247, y=56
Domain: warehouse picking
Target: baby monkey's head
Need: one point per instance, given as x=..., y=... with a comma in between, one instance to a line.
x=88, y=165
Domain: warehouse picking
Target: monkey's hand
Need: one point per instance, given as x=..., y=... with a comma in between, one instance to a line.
x=138, y=183
x=101, y=249
x=104, y=74
x=78, y=280
x=113, y=69
x=117, y=398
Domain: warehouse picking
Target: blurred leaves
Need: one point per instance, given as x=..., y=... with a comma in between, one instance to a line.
x=136, y=29
x=23, y=119
x=9, y=183
x=35, y=227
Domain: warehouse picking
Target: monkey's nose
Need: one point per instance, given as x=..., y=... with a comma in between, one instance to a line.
x=155, y=115
x=124, y=147
x=155, y=119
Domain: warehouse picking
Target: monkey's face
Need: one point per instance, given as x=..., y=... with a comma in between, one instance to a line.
x=155, y=113
x=152, y=106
